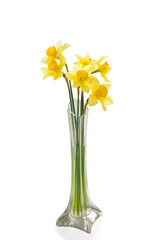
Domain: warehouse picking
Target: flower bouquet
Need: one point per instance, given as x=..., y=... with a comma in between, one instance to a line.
x=80, y=213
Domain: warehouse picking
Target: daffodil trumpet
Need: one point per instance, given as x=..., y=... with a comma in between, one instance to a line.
x=81, y=212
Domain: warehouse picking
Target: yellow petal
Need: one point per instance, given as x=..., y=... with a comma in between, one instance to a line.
x=59, y=45
x=76, y=67
x=107, y=85
x=105, y=77
x=108, y=100
x=47, y=59
x=78, y=64
x=92, y=100
x=101, y=59
x=79, y=57
x=57, y=75
x=75, y=84
x=48, y=74
x=105, y=70
x=93, y=83
x=93, y=63
x=62, y=61
x=44, y=70
x=84, y=87
x=88, y=69
x=72, y=77
x=87, y=56
x=102, y=103
x=108, y=69
x=65, y=46
x=44, y=60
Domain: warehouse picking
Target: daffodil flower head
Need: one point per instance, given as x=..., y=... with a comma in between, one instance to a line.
x=54, y=52
x=103, y=68
x=86, y=61
x=54, y=68
x=100, y=93
x=81, y=77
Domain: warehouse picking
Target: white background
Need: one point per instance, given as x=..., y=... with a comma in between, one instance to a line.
x=123, y=143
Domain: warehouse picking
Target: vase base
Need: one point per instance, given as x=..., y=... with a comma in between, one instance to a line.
x=84, y=223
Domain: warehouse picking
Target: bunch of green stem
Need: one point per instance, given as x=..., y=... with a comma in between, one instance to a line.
x=78, y=185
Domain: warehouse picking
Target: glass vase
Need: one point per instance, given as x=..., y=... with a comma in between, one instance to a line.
x=80, y=213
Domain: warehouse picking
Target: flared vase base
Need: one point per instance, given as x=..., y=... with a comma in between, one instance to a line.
x=84, y=223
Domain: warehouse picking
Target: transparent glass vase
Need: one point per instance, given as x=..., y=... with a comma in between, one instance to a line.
x=80, y=213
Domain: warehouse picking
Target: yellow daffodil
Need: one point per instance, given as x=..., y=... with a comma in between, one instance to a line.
x=54, y=52
x=81, y=77
x=103, y=68
x=86, y=61
x=54, y=68
x=100, y=93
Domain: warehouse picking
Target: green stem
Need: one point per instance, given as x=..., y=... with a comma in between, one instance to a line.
x=84, y=177
x=72, y=107
x=95, y=71
x=70, y=90
x=71, y=97
x=70, y=93
x=85, y=106
x=78, y=185
x=77, y=101
x=82, y=102
x=78, y=160
x=77, y=204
